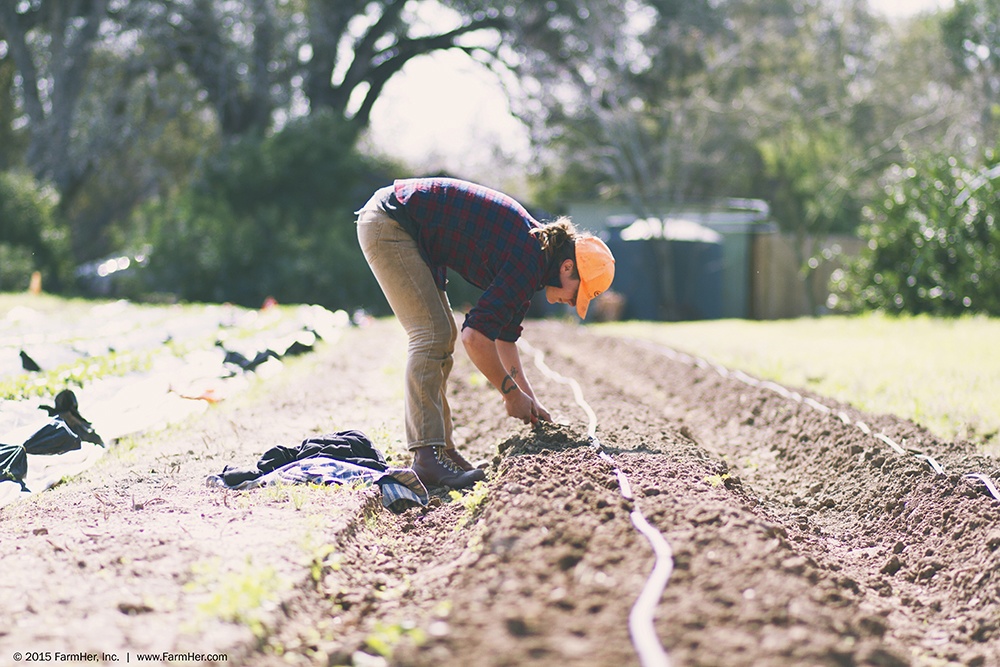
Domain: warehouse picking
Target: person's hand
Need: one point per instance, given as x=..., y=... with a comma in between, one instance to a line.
x=541, y=412
x=521, y=406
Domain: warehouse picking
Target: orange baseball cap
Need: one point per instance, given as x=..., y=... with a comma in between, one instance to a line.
x=596, y=266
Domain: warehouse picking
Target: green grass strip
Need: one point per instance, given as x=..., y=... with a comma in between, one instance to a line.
x=941, y=373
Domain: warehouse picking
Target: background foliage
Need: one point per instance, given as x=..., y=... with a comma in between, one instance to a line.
x=224, y=135
x=30, y=238
x=269, y=217
x=932, y=243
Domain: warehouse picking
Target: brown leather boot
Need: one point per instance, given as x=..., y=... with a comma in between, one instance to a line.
x=459, y=460
x=434, y=468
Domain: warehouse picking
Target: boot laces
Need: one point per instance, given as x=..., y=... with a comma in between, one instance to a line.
x=446, y=461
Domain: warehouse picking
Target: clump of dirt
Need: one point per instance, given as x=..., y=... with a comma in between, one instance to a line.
x=797, y=537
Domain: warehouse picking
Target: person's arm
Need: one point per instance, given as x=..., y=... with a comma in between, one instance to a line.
x=511, y=360
x=485, y=354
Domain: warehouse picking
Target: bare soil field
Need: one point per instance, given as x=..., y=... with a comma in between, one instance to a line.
x=801, y=531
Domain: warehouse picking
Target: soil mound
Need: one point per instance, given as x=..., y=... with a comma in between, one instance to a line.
x=803, y=532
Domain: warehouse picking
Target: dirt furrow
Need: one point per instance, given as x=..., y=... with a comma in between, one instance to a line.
x=798, y=538
x=903, y=540
x=551, y=565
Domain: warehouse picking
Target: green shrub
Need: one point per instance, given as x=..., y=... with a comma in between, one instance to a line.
x=31, y=238
x=16, y=265
x=270, y=217
x=932, y=244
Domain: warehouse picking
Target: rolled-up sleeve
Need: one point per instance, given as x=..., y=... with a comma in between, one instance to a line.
x=501, y=309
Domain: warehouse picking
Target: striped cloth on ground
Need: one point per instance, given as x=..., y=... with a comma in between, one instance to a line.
x=400, y=487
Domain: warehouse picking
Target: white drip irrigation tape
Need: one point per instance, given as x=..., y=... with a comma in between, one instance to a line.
x=985, y=480
x=932, y=463
x=640, y=620
x=816, y=405
x=887, y=440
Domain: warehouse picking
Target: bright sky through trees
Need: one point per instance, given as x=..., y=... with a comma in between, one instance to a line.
x=446, y=112
x=908, y=7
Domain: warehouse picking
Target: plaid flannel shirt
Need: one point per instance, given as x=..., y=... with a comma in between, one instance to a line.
x=484, y=236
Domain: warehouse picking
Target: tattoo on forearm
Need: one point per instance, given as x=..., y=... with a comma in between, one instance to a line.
x=508, y=385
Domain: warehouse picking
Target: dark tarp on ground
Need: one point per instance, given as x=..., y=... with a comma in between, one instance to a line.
x=13, y=463
x=66, y=410
x=65, y=432
x=56, y=437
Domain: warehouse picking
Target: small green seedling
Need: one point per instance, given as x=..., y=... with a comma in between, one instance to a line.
x=471, y=500
x=717, y=480
x=243, y=596
x=385, y=638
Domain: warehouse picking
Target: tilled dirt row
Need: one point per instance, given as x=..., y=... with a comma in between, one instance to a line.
x=789, y=547
x=797, y=538
x=902, y=562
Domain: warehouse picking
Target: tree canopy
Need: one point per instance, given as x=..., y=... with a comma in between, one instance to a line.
x=126, y=111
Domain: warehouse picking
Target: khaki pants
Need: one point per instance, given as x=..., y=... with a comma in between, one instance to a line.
x=426, y=316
